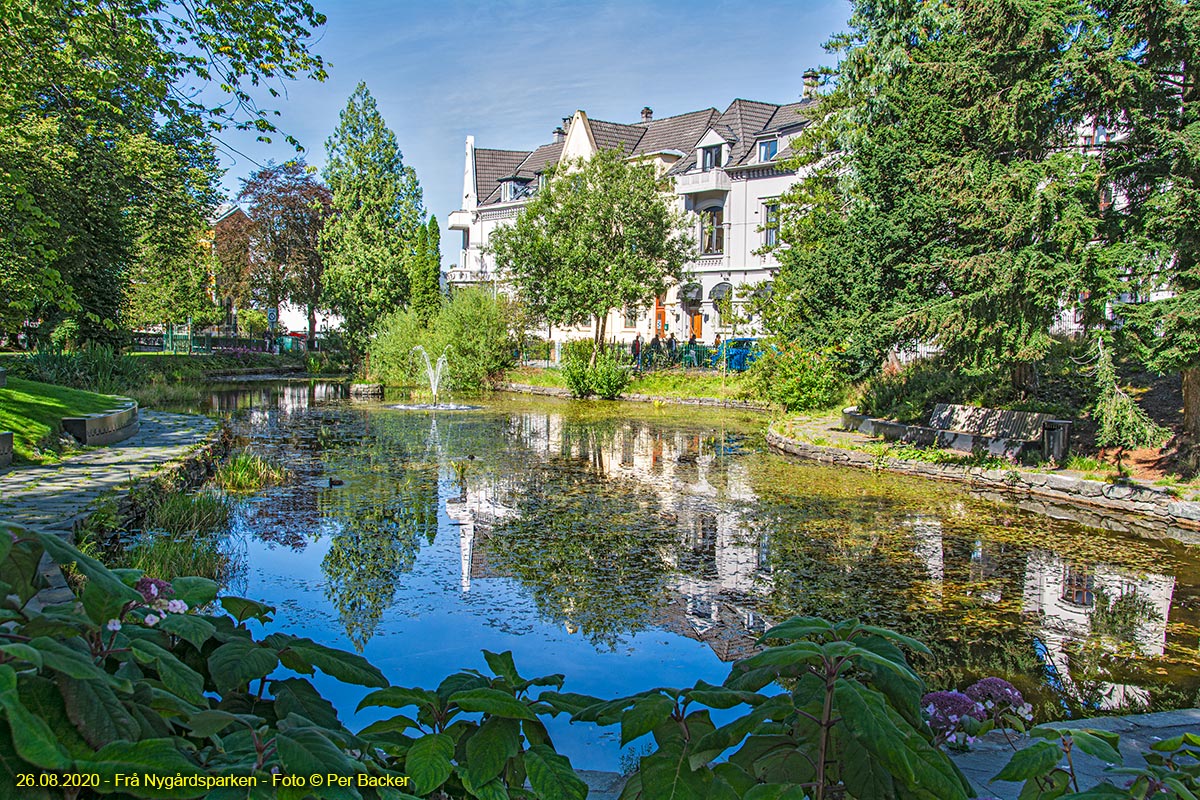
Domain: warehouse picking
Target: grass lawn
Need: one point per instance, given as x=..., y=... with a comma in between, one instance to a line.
x=33, y=411
x=667, y=383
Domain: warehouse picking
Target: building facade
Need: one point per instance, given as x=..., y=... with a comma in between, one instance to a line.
x=728, y=171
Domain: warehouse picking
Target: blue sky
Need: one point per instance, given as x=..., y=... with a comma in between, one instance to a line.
x=508, y=72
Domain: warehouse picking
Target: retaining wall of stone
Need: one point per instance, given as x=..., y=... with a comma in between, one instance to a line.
x=1155, y=505
x=3, y=378
x=553, y=391
x=6, y=449
x=107, y=427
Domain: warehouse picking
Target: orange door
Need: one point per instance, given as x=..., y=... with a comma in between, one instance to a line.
x=697, y=324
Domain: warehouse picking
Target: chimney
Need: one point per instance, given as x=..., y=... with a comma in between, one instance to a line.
x=810, y=84
x=566, y=126
x=647, y=114
x=560, y=135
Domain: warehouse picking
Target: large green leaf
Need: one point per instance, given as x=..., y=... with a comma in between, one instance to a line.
x=160, y=757
x=798, y=628
x=196, y=592
x=667, y=775
x=722, y=697
x=713, y=744
x=32, y=737
x=551, y=776
x=242, y=609
x=492, y=701
x=307, y=751
x=297, y=696
x=99, y=577
x=428, y=762
x=1030, y=762
x=65, y=658
x=192, y=629
x=502, y=664
x=175, y=675
x=97, y=712
x=644, y=716
x=1093, y=744
x=570, y=702
x=212, y=721
x=234, y=664
x=20, y=567
x=346, y=667
x=865, y=777
x=490, y=747
x=400, y=697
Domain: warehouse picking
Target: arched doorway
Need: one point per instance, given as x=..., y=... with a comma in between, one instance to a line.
x=690, y=298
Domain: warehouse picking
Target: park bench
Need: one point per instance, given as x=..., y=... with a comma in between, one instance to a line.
x=972, y=429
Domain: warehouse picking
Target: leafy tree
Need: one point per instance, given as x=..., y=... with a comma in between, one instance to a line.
x=425, y=272
x=1120, y=422
x=97, y=100
x=288, y=207
x=371, y=238
x=599, y=235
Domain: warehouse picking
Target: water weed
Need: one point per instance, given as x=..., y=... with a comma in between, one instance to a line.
x=246, y=472
x=201, y=513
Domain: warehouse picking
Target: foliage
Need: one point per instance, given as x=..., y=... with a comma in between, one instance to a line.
x=201, y=513
x=158, y=553
x=425, y=273
x=371, y=238
x=598, y=235
x=133, y=680
x=94, y=368
x=287, y=207
x=611, y=374
x=252, y=321
x=470, y=329
x=796, y=378
x=1120, y=422
x=247, y=472
x=576, y=368
x=108, y=115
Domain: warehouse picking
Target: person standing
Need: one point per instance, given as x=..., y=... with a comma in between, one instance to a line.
x=672, y=345
x=637, y=351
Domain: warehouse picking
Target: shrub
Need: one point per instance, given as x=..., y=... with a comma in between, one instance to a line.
x=611, y=375
x=575, y=368
x=245, y=472
x=201, y=513
x=796, y=378
x=94, y=368
x=390, y=354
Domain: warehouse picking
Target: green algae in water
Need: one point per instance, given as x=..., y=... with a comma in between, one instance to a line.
x=607, y=523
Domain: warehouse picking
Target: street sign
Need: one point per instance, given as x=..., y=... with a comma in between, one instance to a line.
x=272, y=315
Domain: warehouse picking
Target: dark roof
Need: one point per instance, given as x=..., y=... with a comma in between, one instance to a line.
x=743, y=119
x=491, y=166
x=539, y=160
x=680, y=132
x=614, y=135
x=787, y=116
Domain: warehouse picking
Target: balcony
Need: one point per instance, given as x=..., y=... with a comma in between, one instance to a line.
x=715, y=180
x=471, y=268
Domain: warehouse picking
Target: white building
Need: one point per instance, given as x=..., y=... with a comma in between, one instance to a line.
x=728, y=176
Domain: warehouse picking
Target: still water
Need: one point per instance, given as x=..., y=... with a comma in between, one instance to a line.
x=630, y=547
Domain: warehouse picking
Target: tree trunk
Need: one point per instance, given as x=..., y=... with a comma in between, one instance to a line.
x=1025, y=377
x=312, y=327
x=1191, y=404
x=600, y=323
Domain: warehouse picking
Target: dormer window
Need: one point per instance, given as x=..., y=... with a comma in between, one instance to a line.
x=710, y=157
x=514, y=190
x=767, y=150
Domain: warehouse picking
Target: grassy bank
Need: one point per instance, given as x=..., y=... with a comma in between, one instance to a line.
x=669, y=383
x=34, y=411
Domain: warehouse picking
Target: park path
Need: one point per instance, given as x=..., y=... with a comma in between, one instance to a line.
x=55, y=496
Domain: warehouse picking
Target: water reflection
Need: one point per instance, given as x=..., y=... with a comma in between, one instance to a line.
x=568, y=524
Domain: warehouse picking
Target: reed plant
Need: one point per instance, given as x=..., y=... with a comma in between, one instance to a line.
x=246, y=472
x=202, y=513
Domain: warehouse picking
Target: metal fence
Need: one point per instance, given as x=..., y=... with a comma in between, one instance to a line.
x=170, y=342
x=651, y=359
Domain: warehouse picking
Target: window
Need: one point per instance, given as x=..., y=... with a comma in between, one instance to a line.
x=630, y=317
x=767, y=150
x=1078, y=585
x=711, y=157
x=771, y=224
x=712, y=231
x=515, y=190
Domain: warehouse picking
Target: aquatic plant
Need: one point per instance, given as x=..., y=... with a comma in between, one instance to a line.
x=246, y=472
x=200, y=513
x=163, y=554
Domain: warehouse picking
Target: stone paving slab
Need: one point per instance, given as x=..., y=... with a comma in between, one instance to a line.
x=1137, y=731
x=54, y=496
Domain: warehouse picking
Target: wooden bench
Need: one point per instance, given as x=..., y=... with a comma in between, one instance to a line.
x=995, y=423
x=968, y=429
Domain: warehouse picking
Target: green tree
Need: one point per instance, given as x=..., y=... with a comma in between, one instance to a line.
x=372, y=235
x=97, y=100
x=426, y=271
x=599, y=235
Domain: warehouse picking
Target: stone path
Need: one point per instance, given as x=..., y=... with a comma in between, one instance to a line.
x=54, y=496
x=1137, y=731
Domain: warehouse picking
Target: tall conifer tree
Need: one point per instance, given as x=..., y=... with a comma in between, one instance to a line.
x=368, y=243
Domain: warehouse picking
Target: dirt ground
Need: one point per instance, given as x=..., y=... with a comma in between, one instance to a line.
x=1162, y=399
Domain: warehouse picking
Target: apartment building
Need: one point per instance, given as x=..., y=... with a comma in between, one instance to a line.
x=728, y=170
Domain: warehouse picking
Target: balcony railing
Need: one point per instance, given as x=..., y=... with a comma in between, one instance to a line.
x=714, y=180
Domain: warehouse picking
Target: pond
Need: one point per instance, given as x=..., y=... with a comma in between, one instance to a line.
x=628, y=546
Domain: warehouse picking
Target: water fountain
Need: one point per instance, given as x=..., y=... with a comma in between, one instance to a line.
x=434, y=373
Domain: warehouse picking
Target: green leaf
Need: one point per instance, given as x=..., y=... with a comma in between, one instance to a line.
x=346, y=667
x=570, y=702
x=644, y=716
x=490, y=747
x=153, y=756
x=98, y=714
x=307, y=751
x=551, y=775
x=798, y=628
x=175, y=675
x=99, y=577
x=234, y=664
x=210, y=722
x=243, y=609
x=400, y=697
x=196, y=592
x=297, y=696
x=667, y=775
x=1050, y=787
x=65, y=659
x=20, y=567
x=23, y=652
x=428, y=762
x=1093, y=745
x=32, y=737
x=399, y=723
x=192, y=629
x=492, y=701
x=721, y=697
x=907, y=641
x=502, y=664
x=1031, y=762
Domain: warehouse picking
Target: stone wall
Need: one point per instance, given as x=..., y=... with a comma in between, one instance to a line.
x=1156, y=508
x=6, y=449
x=715, y=402
x=107, y=427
